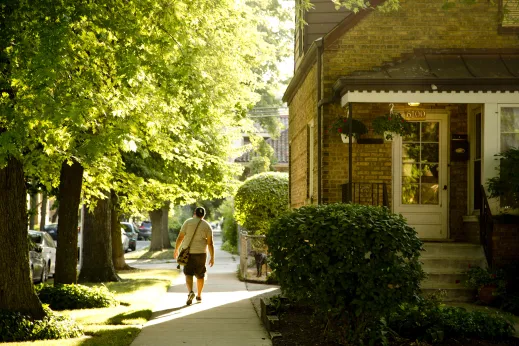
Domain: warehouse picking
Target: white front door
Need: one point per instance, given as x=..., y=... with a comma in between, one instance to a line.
x=420, y=177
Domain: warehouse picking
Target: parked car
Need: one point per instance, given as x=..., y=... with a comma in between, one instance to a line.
x=125, y=240
x=132, y=233
x=48, y=247
x=36, y=262
x=52, y=229
x=145, y=230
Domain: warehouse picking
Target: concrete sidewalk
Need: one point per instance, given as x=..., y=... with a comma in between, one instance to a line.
x=225, y=316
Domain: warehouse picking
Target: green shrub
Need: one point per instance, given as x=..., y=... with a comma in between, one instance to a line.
x=69, y=297
x=431, y=321
x=227, y=246
x=17, y=327
x=353, y=263
x=260, y=199
x=229, y=225
x=506, y=184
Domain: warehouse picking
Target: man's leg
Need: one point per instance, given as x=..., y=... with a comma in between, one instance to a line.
x=189, y=283
x=199, y=286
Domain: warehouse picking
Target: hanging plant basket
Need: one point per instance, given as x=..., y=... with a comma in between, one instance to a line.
x=391, y=125
x=341, y=125
x=346, y=139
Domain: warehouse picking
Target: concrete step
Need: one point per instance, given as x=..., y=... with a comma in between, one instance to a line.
x=463, y=250
x=457, y=264
x=441, y=278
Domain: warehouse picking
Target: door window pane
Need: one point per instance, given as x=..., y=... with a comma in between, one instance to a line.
x=430, y=132
x=420, y=164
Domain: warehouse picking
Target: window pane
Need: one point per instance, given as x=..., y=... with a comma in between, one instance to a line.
x=430, y=132
x=509, y=140
x=411, y=153
x=509, y=119
x=410, y=173
x=430, y=173
x=431, y=153
x=410, y=194
x=415, y=133
x=429, y=193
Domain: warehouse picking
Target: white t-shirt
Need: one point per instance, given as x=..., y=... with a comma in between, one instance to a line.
x=203, y=234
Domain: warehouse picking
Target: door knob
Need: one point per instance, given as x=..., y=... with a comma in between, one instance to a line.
x=445, y=187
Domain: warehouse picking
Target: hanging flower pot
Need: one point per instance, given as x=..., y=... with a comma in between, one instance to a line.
x=391, y=125
x=341, y=125
x=346, y=139
x=389, y=136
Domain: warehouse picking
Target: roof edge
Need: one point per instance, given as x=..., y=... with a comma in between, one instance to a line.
x=309, y=59
x=348, y=23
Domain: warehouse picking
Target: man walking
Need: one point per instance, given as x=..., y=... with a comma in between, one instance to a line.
x=198, y=233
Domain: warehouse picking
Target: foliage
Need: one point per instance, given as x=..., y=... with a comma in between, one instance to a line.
x=260, y=200
x=227, y=246
x=391, y=123
x=431, y=321
x=355, y=264
x=18, y=327
x=506, y=184
x=478, y=277
x=67, y=297
x=341, y=125
x=229, y=225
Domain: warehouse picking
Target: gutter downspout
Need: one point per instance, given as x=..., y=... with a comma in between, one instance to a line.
x=350, y=153
x=320, y=103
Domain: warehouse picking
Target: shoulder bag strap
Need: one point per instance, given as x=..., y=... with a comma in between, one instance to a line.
x=189, y=245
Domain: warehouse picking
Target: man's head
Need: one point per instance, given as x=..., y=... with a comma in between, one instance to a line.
x=200, y=212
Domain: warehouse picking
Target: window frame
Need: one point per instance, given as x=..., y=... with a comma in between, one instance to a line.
x=505, y=29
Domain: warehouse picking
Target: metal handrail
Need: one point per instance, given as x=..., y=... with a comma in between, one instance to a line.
x=486, y=227
x=366, y=193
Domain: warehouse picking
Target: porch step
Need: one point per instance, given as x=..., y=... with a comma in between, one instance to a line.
x=446, y=264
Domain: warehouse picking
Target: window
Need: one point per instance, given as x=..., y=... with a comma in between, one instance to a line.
x=509, y=12
x=509, y=124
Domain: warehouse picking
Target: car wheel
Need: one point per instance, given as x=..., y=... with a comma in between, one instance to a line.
x=133, y=248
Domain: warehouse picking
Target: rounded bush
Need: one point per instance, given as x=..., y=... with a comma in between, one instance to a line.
x=69, y=297
x=17, y=327
x=260, y=199
x=353, y=263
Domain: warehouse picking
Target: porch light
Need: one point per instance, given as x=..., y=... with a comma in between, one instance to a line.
x=413, y=104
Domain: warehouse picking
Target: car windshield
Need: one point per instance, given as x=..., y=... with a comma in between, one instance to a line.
x=146, y=224
x=36, y=237
x=127, y=228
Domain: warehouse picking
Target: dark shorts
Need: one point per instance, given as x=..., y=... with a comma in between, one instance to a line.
x=196, y=265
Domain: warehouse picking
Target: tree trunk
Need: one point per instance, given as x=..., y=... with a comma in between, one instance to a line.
x=166, y=242
x=33, y=213
x=97, y=245
x=43, y=212
x=69, y=195
x=156, y=230
x=117, y=248
x=16, y=288
x=55, y=216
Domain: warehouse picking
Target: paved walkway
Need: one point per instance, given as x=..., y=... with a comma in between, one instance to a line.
x=226, y=315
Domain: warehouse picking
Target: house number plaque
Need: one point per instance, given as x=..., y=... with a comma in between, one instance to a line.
x=415, y=115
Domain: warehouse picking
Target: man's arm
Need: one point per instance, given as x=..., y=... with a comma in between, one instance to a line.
x=210, y=245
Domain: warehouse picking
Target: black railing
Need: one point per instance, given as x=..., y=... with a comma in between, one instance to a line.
x=486, y=226
x=365, y=193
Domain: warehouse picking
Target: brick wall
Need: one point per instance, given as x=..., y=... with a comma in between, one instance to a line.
x=505, y=244
x=382, y=37
x=302, y=110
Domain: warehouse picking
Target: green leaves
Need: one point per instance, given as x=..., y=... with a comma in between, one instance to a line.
x=350, y=262
x=261, y=199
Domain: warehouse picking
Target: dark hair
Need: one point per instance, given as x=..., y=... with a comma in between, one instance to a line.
x=200, y=211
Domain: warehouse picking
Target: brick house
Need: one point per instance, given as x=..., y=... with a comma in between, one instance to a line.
x=454, y=74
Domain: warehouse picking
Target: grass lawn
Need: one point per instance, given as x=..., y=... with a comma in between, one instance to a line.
x=138, y=293
x=145, y=254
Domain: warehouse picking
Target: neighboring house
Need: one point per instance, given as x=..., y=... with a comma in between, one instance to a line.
x=458, y=68
x=280, y=144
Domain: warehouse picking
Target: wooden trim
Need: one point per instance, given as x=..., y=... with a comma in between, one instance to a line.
x=309, y=60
